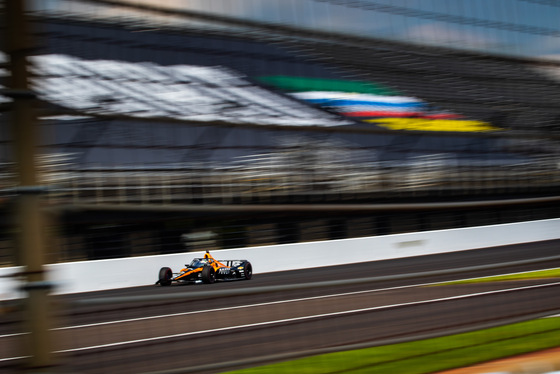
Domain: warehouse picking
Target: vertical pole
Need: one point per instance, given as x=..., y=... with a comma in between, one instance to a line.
x=31, y=236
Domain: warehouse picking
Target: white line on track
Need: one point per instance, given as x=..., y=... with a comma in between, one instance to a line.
x=235, y=307
x=274, y=302
x=249, y=305
x=13, y=358
x=276, y=322
x=269, y=303
x=280, y=321
x=227, y=308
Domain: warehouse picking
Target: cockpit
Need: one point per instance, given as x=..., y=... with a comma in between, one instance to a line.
x=198, y=262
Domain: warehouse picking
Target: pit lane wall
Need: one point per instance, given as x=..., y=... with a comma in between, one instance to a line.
x=86, y=276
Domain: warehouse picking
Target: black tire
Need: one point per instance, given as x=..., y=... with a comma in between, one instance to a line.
x=165, y=275
x=247, y=271
x=208, y=275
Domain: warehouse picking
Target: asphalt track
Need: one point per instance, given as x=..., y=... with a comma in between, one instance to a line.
x=152, y=336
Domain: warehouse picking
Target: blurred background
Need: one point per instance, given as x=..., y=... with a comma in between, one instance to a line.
x=164, y=127
x=244, y=102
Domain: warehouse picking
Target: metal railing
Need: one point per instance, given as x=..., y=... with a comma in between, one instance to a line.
x=121, y=185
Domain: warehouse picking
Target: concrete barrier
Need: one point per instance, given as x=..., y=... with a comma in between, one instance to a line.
x=86, y=276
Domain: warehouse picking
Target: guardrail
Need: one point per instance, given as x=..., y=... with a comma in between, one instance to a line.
x=302, y=286
x=217, y=184
x=225, y=186
x=96, y=275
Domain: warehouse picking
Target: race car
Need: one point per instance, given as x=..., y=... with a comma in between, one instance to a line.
x=207, y=270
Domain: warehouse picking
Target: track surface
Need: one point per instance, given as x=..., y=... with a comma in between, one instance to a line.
x=151, y=336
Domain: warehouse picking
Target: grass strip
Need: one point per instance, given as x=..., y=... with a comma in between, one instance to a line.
x=431, y=355
x=538, y=274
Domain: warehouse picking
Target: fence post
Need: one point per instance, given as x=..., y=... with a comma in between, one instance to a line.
x=30, y=249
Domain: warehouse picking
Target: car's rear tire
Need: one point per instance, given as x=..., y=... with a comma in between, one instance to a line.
x=208, y=275
x=165, y=275
x=247, y=271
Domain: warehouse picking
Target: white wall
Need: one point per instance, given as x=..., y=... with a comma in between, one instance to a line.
x=140, y=271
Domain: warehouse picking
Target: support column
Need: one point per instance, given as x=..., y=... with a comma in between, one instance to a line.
x=30, y=248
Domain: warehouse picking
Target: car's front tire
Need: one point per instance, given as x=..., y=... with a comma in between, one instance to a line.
x=165, y=276
x=208, y=275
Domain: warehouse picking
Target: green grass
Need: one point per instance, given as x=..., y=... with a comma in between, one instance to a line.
x=431, y=355
x=539, y=274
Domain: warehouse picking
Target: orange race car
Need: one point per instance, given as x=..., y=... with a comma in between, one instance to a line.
x=207, y=270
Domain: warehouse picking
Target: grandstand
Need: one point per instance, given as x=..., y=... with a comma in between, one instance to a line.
x=455, y=91
x=509, y=93
x=137, y=114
